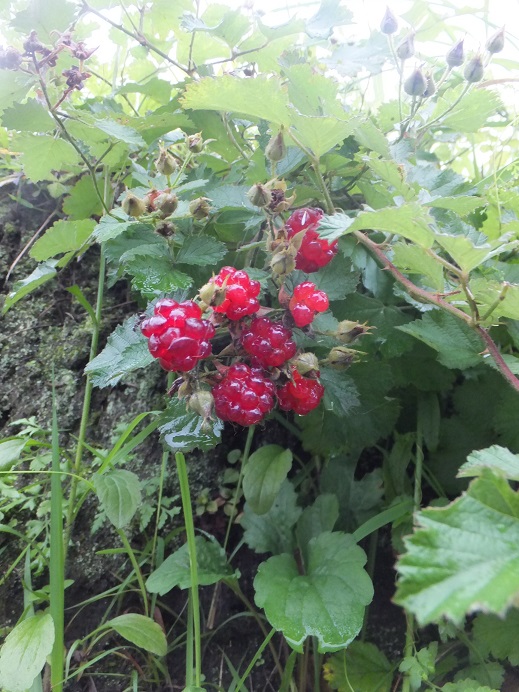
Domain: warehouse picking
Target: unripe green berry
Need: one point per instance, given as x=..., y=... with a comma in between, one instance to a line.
x=276, y=148
x=166, y=203
x=389, y=23
x=201, y=402
x=200, y=208
x=474, y=69
x=306, y=363
x=341, y=357
x=259, y=195
x=283, y=263
x=133, y=206
x=195, y=143
x=165, y=163
x=496, y=42
x=348, y=331
x=455, y=56
x=405, y=48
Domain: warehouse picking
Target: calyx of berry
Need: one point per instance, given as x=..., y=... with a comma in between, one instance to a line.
x=166, y=164
x=200, y=208
x=259, y=195
x=276, y=148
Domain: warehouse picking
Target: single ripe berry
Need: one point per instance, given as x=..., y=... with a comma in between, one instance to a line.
x=268, y=342
x=305, y=302
x=241, y=293
x=243, y=396
x=315, y=252
x=177, y=335
x=300, y=394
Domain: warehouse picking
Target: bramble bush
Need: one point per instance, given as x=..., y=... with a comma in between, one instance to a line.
x=320, y=236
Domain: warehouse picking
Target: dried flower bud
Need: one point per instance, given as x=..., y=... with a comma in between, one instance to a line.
x=348, y=331
x=405, y=48
x=201, y=402
x=496, y=42
x=474, y=69
x=200, y=208
x=166, y=164
x=133, y=206
x=276, y=148
x=165, y=229
x=165, y=203
x=306, y=363
x=283, y=262
x=207, y=292
x=389, y=23
x=259, y=195
x=195, y=143
x=185, y=389
x=341, y=357
x=33, y=44
x=430, y=86
x=455, y=56
x=415, y=84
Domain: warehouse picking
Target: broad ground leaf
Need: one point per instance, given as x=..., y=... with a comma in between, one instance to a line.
x=464, y=557
x=321, y=516
x=497, y=459
x=458, y=346
x=263, y=476
x=125, y=351
x=327, y=602
x=467, y=685
x=10, y=451
x=411, y=221
x=184, y=430
x=61, y=237
x=141, y=631
x=43, y=273
x=25, y=652
x=498, y=636
x=365, y=666
x=272, y=532
x=175, y=571
x=119, y=493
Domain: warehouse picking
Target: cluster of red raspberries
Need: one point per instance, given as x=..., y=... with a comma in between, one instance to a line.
x=265, y=364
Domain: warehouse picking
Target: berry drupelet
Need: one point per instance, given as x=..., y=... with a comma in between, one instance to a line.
x=241, y=293
x=300, y=394
x=315, y=252
x=305, y=302
x=243, y=396
x=268, y=343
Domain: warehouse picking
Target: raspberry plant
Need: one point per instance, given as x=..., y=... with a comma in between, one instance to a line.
x=328, y=276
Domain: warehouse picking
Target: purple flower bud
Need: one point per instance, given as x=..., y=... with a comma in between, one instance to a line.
x=496, y=42
x=389, y=23
x=473, y=71
x=405, y=48
x=455, y=56
x=415, y=84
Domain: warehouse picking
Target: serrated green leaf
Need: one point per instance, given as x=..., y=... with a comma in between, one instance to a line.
x=175, y=570
x=141, y=631
x=110, y=227
x=498, y=636
x=411, y=221
x=43, y=273
x=119, y=493
x=320, y=133
x=61, y=237
x=43, y=154
x=30, y=116
x=337, y=279
x=366, y=666
x=262, y=97
x=497, y=459
x=321, y=516
x=471, y=113
x=272, y=532
x=413, y=259
x=263, y=476
x=24, y=652
x=45, y=18
x=184, y=430
x=457, y=345
x=126, y=350
x=466, y=686
x=467, y=255
x=329, y=15
x=446, y=573
x=14, y=87
x=486, y=671
x=82, y=200
x=153, y=276
x=503, y=298
x=327, y=602
x=202, y=251
x=462, y=205
x=394, y=175
x=120, y=132
x=333, y=227
x=340, y=392
x=157, y=89
x=421, y=666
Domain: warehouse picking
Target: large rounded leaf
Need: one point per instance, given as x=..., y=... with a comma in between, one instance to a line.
x=327, y=602
x=25, y=651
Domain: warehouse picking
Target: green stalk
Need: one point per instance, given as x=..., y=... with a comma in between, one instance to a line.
x=57, y=570
x=193, y=565
x=255, y=658
x=246, y=452
x=137, y=569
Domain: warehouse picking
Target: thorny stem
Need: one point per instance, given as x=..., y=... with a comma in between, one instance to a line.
x=435, y=299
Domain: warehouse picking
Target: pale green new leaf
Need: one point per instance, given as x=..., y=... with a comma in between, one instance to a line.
x=61, y=237
x=30, y=117
x=394, y=175
x=498, y=459
x=320, y=134
x=141, y=631
x=120, y=132
x=10, y=451
x=263, y=476
x=464, y=557
x=119, y=493
x=329, y=15
x=126, y=350
x=43, y=273
x=25, y=651
x=503, y=298
x=410, y=221
x=335, y=226
x=467, y=255
x=366, y=667
x=175, y=570
x=472, y=112
x=327, y=602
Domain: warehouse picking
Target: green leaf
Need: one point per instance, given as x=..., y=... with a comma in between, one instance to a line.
x=329, y=15
x=420, y=666
x=43, y=154
x=413, y=259
x=120, y=132
x=110, y=227
x=498, y=636
x=464, y=557
x=263, y=476
x=321, y=133
x=14, y=87
x=458, y=346
x=24, y=652
x=45, y=18
x=175, y=570
x=272, y=532
x=10, y=451
x=82, y=200
x=497, y=459
x=202, y=251
x=261, y=97
x=394, y=175
x=410, y=221
x=467, y=255
x=141, y=631
x=467, y=686
x=333, y=227
x=119, y=493
x=154, y=275
x=126, y=350
x=471, y=113
x=340, y=392
x=61, y=237
x=157, y=89
x=321, y=516
x=327, y=602
x=338, y=279
x=367, y=668
x=43, y=273
x=184, y=430
x=462, y=205
x=30, y=116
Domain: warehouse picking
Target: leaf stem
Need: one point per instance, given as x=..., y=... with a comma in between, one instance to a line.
x=245, y=459
x=57, y=570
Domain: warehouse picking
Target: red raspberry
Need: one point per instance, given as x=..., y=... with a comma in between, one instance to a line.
x=176, y=334
x=300, y=395
x=244, y=396
x=315, y=252
x=305, y=302
x=268, y=342
x=241, y=293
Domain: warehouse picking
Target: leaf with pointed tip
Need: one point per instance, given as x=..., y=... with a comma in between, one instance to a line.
x=184, y=430
x=119, y=493
x=263, y=476
x=43, y=273
x=24, y=652
x=497, y=459
x=141, y=631
x=61, y=237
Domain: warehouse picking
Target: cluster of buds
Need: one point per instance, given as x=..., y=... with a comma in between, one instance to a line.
x=271, y=196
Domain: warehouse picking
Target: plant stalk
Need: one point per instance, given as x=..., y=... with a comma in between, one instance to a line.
x=57, y=570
